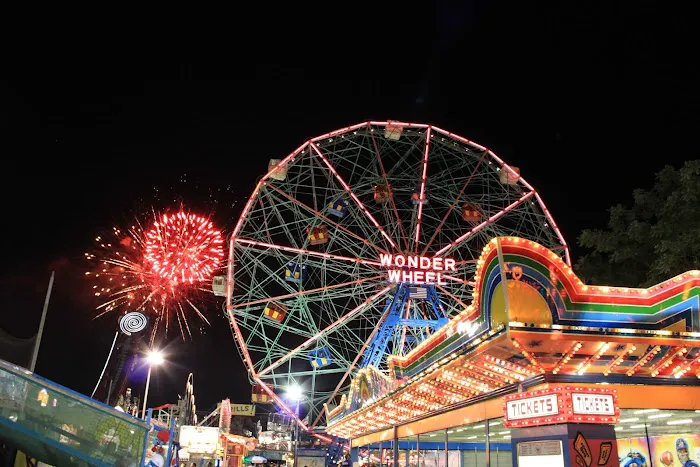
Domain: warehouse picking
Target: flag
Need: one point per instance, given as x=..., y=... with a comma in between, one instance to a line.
x=418, y=292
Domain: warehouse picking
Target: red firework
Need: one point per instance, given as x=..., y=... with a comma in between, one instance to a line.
x=160, y=268
x=183, y=248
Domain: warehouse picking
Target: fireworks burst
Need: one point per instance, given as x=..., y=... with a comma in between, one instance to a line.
x=160, y=270
x=183, y=248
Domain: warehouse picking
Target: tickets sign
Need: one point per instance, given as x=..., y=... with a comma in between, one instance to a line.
x=565, y=404
x=593, y=404
x=531, y=407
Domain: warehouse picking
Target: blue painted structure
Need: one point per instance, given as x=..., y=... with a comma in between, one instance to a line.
x=394, y=321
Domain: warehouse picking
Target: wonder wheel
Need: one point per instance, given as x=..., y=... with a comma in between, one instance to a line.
x=360, y=244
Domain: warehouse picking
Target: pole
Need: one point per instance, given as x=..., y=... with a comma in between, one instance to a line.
x=417, y=450
x=105, y=367
x=41, y=324
x=145, y=394
x=296, y=438
x=395, y=447
x=447, y=449
x=646, y=435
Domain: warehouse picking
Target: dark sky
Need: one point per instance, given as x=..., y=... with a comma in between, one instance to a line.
x=589, y=101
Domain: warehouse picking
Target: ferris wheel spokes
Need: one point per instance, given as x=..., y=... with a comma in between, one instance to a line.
x=483, y=224
x=354, y=363
x=305, y=292
x=340, y=321
x=326, y=219
x=455, y=203
x=385, y=179
x=354, y=196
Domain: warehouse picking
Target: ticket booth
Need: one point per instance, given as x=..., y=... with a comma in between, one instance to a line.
x=564, y=426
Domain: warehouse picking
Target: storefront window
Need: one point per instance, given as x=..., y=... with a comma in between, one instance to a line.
x=408, y=454
x=367, y=456
x=376, y=454
x=469, y=444
x=432, y=449
x=501, y=454
x=664, y=437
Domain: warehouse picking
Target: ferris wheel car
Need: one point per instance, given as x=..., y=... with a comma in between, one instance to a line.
x=507, y=177
x=320, y=357
x=393, y=131
x=471, y=212
x=318, y=235
x=415, y=197
x=294, y=272
x=275, y=311
x=338, y=208
x=278, y=174
x=382, y=193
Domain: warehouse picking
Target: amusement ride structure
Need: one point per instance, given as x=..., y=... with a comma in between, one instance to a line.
x=361, y=244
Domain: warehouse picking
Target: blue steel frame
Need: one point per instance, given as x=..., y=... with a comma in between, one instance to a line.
x=377, y=348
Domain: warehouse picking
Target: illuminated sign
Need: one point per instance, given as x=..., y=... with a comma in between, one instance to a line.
x=199, y=439
x=533, y=407
x=416, y=269
x=593, y=404
x=246, y=410
x=565, y=404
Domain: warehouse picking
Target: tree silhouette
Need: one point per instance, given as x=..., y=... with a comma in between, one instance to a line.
x=651, y=241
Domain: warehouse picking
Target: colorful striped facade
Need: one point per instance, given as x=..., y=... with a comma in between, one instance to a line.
x=545, y=321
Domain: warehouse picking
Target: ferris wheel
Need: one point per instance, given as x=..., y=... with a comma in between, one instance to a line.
x=360, y=244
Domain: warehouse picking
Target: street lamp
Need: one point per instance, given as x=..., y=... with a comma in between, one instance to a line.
x=295, y=393
x=153, y=358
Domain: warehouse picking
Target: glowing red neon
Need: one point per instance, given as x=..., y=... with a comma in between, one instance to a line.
x=416, y=269
x=421, y=200
x=306, y=252
x=561, y=405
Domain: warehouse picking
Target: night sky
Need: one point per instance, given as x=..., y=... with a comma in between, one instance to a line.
x=588, y=101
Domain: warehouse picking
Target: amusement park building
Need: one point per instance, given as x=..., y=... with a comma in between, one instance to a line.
x=544, y=364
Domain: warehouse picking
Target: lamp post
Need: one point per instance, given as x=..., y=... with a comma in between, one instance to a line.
x=153, y=358
x=295, y=393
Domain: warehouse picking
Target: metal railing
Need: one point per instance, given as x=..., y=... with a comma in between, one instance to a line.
x=62, y=427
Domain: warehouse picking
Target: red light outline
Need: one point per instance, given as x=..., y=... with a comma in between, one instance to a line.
x=565, y=402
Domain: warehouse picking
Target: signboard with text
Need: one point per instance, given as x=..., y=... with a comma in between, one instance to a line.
x=565, y=404
x=246, y=410
x=545, y=453
x=417, y=269
x=531, y=407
